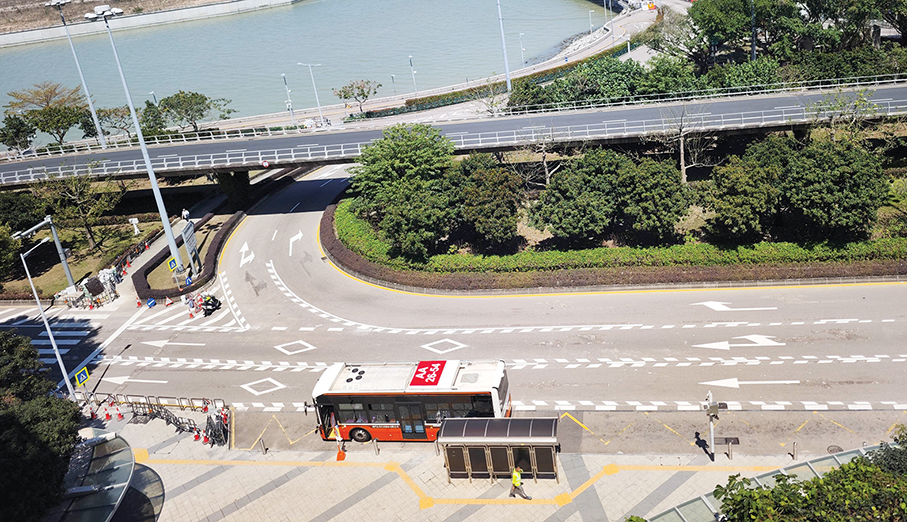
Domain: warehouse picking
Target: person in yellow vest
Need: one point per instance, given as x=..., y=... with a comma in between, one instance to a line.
x=517, y=488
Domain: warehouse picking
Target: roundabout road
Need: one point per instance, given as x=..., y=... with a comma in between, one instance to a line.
x=290, y=313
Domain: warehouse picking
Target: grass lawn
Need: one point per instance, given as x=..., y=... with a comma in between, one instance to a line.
x=44, y=263
x=161, y=278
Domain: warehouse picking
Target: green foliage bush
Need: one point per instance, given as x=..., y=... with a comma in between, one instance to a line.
x=360, y=238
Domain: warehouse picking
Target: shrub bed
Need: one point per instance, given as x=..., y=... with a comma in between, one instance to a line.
x=352, y=243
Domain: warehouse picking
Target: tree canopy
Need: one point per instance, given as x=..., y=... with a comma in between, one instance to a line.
x=358, y=90
x=17, y=132
x=188, y=109
x=37, y=432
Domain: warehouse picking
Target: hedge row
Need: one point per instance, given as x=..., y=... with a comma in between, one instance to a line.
x=353, y=245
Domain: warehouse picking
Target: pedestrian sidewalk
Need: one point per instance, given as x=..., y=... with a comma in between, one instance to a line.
x=408, y=482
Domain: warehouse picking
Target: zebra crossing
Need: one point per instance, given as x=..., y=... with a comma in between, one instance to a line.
x=69, y=327
x=178, y=316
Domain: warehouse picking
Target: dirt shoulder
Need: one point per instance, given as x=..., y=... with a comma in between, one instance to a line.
x=17, y=15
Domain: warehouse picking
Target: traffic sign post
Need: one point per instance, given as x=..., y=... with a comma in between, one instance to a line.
x=191, y=244
x=712, y=412
x=81, y=376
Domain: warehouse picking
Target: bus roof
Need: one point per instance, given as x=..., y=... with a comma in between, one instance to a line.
x=410, y=377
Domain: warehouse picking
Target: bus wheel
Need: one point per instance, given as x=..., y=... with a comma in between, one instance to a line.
x=360, y=435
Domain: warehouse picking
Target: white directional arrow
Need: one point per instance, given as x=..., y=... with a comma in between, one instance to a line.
x=123, y=379
x=734, y=383
x=722, y=307
x=242, y=251
x=293, y=239
x=757, y=340
x=160, y=344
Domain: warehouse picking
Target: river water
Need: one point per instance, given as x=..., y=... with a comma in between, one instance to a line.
x=241, y=57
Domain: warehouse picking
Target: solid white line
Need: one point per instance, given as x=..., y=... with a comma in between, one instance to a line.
x=13, y=311
x=104, y=345
x=291, y=210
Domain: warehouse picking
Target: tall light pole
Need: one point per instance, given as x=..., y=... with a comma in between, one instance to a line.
x=415, y=91
x=48, y=221
x=153, y=97
x=590, y=22
x=50, y=333
x=522, y=58
x=610, y=19
x=102, y=13
x=94, y=115
x=318, y=103
x=394, y=81
x=753, y=20
x=289, y=101
x=504, y=47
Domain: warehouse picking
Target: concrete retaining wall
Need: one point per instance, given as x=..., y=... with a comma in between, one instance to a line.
x=140, y=20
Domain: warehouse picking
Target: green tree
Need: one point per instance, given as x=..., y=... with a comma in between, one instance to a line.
x=37, y=432
x=527, y=94
x=56, y=120
x=492, y=200
x=188, y=109
x=152, y=119
x=895, y=13
x=763, y=71
x=837, y=186
x=722, y=21
x=415, y=216
x=652, y=199
x=43, y=95
x=8, y=249
x=358, y=90
x=668, y=74
x=20, y=209
x=602, y=78
x=82, y=198
x=580, y=203
x=417, y=153
x=678, y=35
x=746, y=195
x=17, y=133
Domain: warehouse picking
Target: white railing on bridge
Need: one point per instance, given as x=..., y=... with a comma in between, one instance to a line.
x=689, y=122
x=215, y=134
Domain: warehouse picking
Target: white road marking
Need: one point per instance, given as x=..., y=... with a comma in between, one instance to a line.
x=722, y=307
x=242, y=252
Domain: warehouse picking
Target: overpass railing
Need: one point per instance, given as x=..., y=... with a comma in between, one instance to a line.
x=669, y=124
x=123, y=142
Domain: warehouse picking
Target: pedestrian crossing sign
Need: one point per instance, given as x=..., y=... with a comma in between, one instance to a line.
x=81, y=376
x=171, y=264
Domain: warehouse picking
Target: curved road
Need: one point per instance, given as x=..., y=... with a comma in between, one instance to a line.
x=291, y=312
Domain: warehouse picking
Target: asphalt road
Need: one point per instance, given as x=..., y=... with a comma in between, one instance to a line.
x=289, y=313
x=792, y=102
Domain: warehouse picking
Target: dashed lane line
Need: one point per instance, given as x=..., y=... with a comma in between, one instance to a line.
x=514, y=364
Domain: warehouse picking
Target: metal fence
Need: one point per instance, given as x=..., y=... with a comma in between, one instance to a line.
x=124, y=142
x=686, y=123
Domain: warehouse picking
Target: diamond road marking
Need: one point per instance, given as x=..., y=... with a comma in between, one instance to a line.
x=306, y=347
x=249, y=387
x=438, y=346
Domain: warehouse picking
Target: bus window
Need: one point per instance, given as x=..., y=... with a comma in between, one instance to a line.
x=481, y=406
x=351, y=412
x=382, y=413
x=461, y=409
x=436, y=411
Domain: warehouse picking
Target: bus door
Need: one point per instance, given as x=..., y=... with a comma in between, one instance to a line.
x=412, y=423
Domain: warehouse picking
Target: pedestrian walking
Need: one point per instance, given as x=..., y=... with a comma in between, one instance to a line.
x=517, y=479
x=185, y=215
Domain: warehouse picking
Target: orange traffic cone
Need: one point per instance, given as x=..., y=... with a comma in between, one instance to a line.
x=191, y=315
x=196, y=434
x=128, y=264
x=205, y=439
x=138, y=302
x=168, y=302
x=106, y=413
x=119, y=415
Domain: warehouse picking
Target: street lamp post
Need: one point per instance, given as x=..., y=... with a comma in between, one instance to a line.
x=50, y=333
x=102, y=13
x=415, y=91
x=48, y=221
x=590, y=21
x=522, y=57
x=610, y=19
x=318, y=103
x=289, y=101
x=394, y=81
x=153, y=97
x=504, y=47
x=94, y=115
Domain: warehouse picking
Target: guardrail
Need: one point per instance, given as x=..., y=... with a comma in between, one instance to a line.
x=687, y=123
x=124, y=142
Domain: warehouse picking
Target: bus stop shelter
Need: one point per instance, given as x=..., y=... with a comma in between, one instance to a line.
x=492, y=447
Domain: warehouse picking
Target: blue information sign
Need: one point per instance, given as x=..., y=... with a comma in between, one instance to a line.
x=81, y=376
x=171, y=264
x=151, y=302
x=188, y=280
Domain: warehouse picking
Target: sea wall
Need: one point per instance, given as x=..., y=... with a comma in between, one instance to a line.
x=140, y=20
